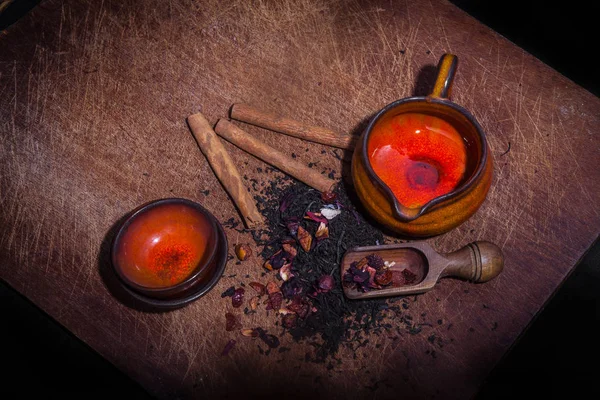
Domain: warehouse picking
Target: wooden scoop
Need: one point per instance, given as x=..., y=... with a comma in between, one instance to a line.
x=478, y=262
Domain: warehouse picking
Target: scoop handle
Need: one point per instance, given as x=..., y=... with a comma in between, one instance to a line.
x=477, y=262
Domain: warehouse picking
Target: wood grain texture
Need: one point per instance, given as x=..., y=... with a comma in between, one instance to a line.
x=94, y=97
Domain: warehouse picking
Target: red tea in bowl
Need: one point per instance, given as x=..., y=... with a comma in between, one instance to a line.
x=418, y=156
x=164, y=245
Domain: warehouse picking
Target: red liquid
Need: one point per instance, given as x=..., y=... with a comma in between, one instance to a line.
x=418, y=156
x=163, y=247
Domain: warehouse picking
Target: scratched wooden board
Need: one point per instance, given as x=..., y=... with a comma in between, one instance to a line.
x=93, y=104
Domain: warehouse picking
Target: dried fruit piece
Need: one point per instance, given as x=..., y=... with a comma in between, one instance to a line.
x=322, y=232
x=304, y=238
x=275, y=300
x=259, y=287
x=243, y=251
x=249, y=332
x=285, y=272
x=272, y=287
x=231, y=322
x=228, y=347
x=397, y=278
x=299, y=306
x=362, y=263
x=254, y=303
x=289, y=320
x=290, y=250
x=238, y=297
x=383, y=277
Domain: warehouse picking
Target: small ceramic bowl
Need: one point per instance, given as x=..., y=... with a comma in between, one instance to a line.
x=447, y=211
x=169, y=252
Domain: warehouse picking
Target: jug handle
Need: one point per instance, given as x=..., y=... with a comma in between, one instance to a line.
x=446, y=70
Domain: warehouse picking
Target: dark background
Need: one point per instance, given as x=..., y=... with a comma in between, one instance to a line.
x=556, y=357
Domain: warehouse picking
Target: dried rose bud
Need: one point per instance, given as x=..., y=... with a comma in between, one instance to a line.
x=231, y=322
x=238, y=298
x=289, y=320
x=304, y=238
x=291, y=250
x=328, y=197
x=259, y=287
x=384, y=277
x=285, y=272
x=249, y=332
x=322, y=232
x=254, y=303
x=228, y=347
x=326, y=283
x=272, y=287
x=243, y=251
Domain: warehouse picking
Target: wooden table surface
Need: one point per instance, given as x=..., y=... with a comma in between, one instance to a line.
x=94, y=97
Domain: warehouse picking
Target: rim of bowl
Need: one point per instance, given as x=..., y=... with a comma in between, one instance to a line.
x=385, y=188
x=145, y=208
x=168, y=304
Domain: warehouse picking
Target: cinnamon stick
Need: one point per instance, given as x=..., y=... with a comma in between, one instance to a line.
x=264, y=119
x=225, y=169
x=268, y=154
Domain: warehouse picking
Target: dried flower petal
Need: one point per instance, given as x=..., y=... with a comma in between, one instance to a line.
x=326, y=283
x=375, y=261
x=285, y=272
x=292, y=225
x=305, y=239
x=330, y=213
x=322, y=232
x=271, y=340
x=286, y=201
x=316, y=217
x=272, y=287
x=277, y=260
x=243, y=251
x=291, y=288
x=238, y=298
x=254, y=303
x=249, y=332
x=231, y=322
x=228, y=347
x=259, y=287
x=299, y=306
x=328, y=197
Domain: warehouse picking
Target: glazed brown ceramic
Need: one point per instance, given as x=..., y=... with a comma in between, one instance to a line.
x=151, y=223
x=444, y=212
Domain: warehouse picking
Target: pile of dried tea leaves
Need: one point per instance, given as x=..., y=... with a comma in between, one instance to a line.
x=303, y=244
